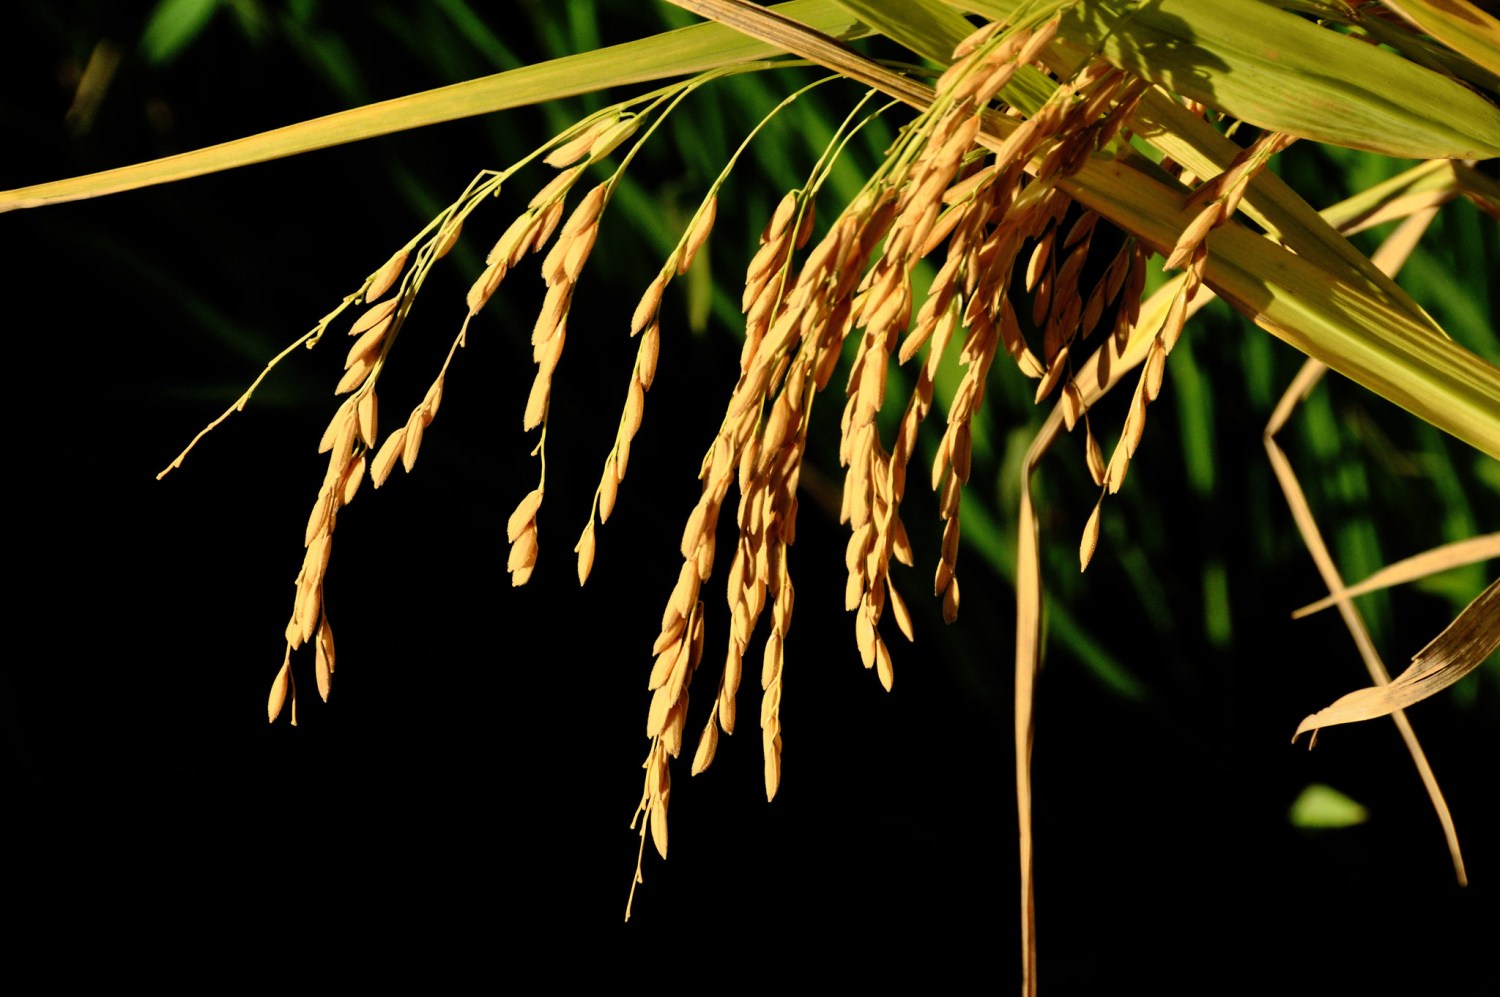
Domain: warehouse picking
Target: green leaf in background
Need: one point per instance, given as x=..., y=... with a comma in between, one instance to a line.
x=173, y=26
x=1320, y=807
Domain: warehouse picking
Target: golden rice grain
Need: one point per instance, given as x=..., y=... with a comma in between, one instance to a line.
x=610, y=138
x=523, y=551
x=524, y=514
x=1155, y=367
x=884, y=670
x=668, y=663
x=770, y=665
x=447, y=238
x=864, y=638
x=708, y=743
x=952, y=76
x=368, y=413
x=1094, y=456
x=1090, y=538
x=353, y=377
x=279, y=686
x=343, y=445
x=485, y=286
x=903, y=615
x=1176, y=318
x=1038, y=40
x=587, y=213
x=536, y=403
x=324, y=659
x=1053, y=376
x=1119, y=463
x=635, y=408
x=579, y=246
x=986, y=87
x=353, y=479
x=575, y=148
x=786, y=208
x=549, y=353
x=673, y=624
x=555, y=188
x=386, y=276
x=659, y=825
x=432, y=400
x=317, y=521
x=1072, y=405
x=1196, y=231
x=413, y=443
x=375, y=315
x=659, y=711
x=646, y=308
x=950, y=601
x=1135, y=421
x=385, y=459
x=771, y=745
x=609, y=488
x=622, y=457
x=698, y=234
x=647, y=356
x=704, y=559
x=733, y=666
x=337, y=424
x=517, y=233
x=365, y=346
x=977, y=38
x=546, y=224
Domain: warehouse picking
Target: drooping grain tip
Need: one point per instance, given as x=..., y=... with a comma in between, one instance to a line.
x=1090, y=537
x=278, y=689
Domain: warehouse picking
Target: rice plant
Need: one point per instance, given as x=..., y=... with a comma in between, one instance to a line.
x=1066, y=182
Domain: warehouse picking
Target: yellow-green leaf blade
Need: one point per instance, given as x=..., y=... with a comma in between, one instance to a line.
x=1429, y=562
x=1283, y=73
x=1458, y=24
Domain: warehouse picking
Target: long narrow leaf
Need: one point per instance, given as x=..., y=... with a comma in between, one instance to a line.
x=674, y=53
x=1429, y=562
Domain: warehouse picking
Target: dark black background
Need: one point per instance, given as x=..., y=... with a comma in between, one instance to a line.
x=465, y=793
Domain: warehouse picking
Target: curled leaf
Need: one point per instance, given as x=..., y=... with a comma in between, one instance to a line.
x=1462, y=646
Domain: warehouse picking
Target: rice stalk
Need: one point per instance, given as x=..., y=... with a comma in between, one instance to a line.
x=1019, y=158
